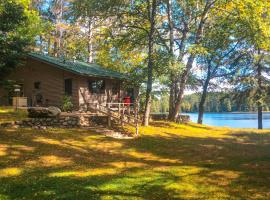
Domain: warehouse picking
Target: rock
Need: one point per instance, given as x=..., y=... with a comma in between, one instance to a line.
x=6, y=125
x=54, y=111
x=18, y=122
x=159, y=116
x=43, y=127
x=183, y=119
x=38, y=112
x=41, y=112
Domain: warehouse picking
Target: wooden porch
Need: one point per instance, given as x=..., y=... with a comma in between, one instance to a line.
x=121, y=113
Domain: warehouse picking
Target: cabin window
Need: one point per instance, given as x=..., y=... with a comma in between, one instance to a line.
x=96, y=87
x=130, y=92
x=39, y=98
x=115, y=88
x=37, y=85
x=68, y=87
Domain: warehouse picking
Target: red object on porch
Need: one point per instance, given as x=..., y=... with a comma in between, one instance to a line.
x=127, y=100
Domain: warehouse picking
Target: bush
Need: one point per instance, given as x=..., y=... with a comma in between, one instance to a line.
x=67, y=105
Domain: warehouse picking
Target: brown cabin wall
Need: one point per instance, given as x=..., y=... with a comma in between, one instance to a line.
x=85, y=96
x=52, y=85
x=52, y=82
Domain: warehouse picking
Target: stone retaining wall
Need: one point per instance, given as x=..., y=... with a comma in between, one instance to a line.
x=73, y=121
x=182, y=119
x=63, y=122
x=59, y=122
x=164, y=116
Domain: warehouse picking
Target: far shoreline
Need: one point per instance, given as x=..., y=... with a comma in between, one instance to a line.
x=228, y=112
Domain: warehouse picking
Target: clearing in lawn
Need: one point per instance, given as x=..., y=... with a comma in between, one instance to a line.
x=167, y=161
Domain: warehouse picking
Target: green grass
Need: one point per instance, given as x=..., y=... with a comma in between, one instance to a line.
x=7, y=114
x=167, y=161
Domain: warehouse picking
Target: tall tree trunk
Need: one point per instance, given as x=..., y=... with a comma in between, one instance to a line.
x=59, y=46
x=192, y=56
x=171, y=99
x=55, y=47
x=90, y=40
x=260, y=116
x=152, y=15
x=259, y=101
x=182, y=86
x=41, y=42
x=203, y=98
x=49, y=46
x=171, y=52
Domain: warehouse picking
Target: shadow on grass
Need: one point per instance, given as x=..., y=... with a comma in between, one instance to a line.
x=168, y=124
x=163, y=124
x=206, y=127
x=76, y=164
x=9, y=115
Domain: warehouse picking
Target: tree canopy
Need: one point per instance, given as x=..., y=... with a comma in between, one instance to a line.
x=18, y=27
x=203, y=45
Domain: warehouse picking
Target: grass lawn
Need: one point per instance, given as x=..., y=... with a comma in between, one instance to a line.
x=168, y=161
x=7, y=114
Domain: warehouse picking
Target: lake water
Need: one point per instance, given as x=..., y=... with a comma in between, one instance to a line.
x=233, y=120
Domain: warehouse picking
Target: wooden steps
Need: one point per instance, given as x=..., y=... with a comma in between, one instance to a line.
x=121, y=113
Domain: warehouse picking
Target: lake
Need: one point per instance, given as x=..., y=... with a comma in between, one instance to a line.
x=233, y=120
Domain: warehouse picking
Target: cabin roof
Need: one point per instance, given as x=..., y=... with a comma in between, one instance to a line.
x=78, y=67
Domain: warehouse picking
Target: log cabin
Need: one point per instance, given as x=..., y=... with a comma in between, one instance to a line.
x=45, y=80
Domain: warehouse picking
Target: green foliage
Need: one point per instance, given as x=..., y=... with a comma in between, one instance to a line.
x=8, y=86
x=18, y=26
x=221, y=102
x=160, y=104
x=253, y=81
x=116, y=33
x=67, y=104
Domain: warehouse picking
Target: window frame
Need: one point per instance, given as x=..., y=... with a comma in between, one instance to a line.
x=100, y=90
x=68, y=88
x=115, y=88
x=37, y=85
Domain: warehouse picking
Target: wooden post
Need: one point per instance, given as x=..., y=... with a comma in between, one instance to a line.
x=136, y=110
x=119, y=114
x=122, y=115
x=128, y=112
x=109, y=116
x=16, y=109
x=137, y=127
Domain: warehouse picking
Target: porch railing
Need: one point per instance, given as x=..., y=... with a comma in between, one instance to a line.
x=123, y=113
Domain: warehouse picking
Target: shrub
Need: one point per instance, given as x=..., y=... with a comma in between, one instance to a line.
x=67, y=105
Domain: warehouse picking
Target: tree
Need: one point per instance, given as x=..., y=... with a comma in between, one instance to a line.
x=187, y=21
x=135, y=22
x=254, y=17
x=225, y=56
x=18, y=27
x=151, y=16
x=94, y=21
